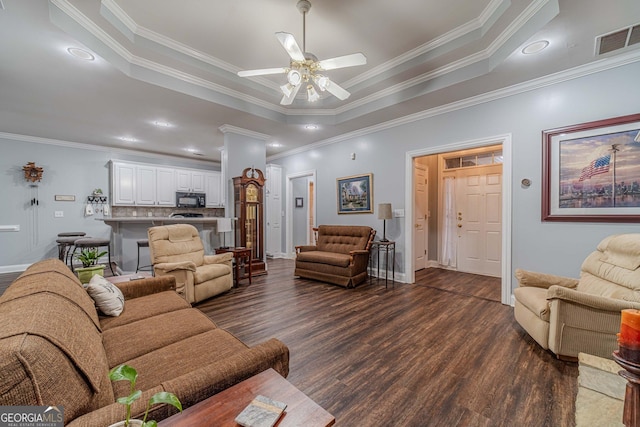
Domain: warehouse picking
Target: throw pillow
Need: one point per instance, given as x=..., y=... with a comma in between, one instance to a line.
x=107, y=296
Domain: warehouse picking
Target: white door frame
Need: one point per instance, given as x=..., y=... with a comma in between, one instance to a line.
x=290, y=251
x=505, y=140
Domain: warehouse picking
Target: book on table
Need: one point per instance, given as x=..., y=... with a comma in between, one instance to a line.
x=261, y=412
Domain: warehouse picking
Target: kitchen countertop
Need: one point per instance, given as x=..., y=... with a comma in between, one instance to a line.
x=159, y=220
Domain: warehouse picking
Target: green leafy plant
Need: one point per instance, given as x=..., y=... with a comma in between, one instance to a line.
x=127, y=373
x=90, y=256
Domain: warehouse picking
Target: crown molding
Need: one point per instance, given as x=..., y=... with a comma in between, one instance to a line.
x=552, y=79
x=269, y=108
x=101, y=148
x=245, y=132
x=439, y=42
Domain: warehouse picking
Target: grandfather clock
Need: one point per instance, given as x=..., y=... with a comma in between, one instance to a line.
x=248, y=192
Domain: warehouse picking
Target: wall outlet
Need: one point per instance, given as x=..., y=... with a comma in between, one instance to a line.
x=58, y=214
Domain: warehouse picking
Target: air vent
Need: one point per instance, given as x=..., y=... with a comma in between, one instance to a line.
x=618, y=40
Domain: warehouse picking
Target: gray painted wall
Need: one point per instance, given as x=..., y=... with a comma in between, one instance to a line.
x=556, y=248
x=68, y=170
x=299, y=188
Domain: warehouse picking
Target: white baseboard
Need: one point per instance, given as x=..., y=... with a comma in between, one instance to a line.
x=13, y=268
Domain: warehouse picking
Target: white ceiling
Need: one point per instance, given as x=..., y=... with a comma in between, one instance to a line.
x=176, y=61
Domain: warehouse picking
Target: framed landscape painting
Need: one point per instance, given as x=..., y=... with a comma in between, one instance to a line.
x=591, y=171
x=355, y=194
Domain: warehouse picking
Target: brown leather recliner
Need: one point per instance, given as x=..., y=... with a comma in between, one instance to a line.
x=177, y=250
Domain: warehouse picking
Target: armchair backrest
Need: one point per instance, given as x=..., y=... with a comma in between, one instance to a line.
x=344, y=238
x=613, y=270
x=175, y=243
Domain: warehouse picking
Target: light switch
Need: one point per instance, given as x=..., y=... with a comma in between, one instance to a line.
x=58, y=214
x=398, y=213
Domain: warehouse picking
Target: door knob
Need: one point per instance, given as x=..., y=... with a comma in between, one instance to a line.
x=459, y=225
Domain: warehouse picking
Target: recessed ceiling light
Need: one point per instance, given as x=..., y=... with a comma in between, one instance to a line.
x=162, y=124
x=275, y=145
x=80, y=53
x=191, y=150
x=535, y=47
x=127, y=139
x=311, y=127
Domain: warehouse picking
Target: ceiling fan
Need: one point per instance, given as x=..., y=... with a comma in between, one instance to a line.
x=305, y=69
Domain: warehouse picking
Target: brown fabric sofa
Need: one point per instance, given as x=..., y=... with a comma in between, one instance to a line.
x=570, y=316
x=56, y=350
x=340, y=255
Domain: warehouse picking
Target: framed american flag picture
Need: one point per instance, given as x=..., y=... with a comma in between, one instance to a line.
x=591, y=171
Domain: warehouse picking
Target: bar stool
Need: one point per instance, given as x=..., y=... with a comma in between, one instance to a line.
x=65, y=240
x=142, y=243
x=93, y=242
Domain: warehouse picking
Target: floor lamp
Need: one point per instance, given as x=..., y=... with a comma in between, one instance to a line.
x=384, y=213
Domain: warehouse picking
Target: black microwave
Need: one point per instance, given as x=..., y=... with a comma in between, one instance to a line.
x=190, y=200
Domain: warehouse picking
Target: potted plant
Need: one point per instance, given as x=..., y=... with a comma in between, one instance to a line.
x=127, y=373
x=89, y=258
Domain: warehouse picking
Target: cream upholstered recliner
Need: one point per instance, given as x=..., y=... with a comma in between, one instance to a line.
x=569, y=316
x=177, y=250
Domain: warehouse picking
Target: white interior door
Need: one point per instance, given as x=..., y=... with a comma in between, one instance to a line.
x=479, y=214
x=274, y=211
x=420, y=214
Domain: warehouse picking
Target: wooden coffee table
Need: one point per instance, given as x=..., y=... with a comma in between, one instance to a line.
x=220, y=410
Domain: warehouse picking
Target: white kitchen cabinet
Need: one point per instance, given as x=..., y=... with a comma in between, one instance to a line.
x=165, y=187
x=141, y=184
x=123, y=184
x=213, y=189
x=145, y=185
x=189, y=180
x=137, y=184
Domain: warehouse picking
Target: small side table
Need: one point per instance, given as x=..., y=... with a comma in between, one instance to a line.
x=387, y=247
x=241, y=260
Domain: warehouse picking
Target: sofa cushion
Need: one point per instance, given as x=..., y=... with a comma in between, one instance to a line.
x=342, y=238
x=147, y=335
x=321, y=257
x=211, y=271
x=107, y=296
x=180, y=358
x=54, y=277
x=144, y=307
x=54, y=353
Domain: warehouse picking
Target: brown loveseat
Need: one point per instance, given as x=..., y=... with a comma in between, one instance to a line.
x=56, y=350
x=340, y=255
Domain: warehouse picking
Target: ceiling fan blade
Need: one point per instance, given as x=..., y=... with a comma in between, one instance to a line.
x=290, y=45
x=343, y=61
x=262, y=72
x=337, y=91
x=287, y=100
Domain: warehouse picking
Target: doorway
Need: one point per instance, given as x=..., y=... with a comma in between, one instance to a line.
x=472, y=231
x=505, y=205
x=301, y=210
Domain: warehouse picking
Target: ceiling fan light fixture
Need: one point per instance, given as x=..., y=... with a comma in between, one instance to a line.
x=312, y=94
x=294, y=77
x=287, y=89
x=322, y=82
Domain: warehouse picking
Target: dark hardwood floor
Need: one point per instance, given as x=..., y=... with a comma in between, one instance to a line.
x=442, y=352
